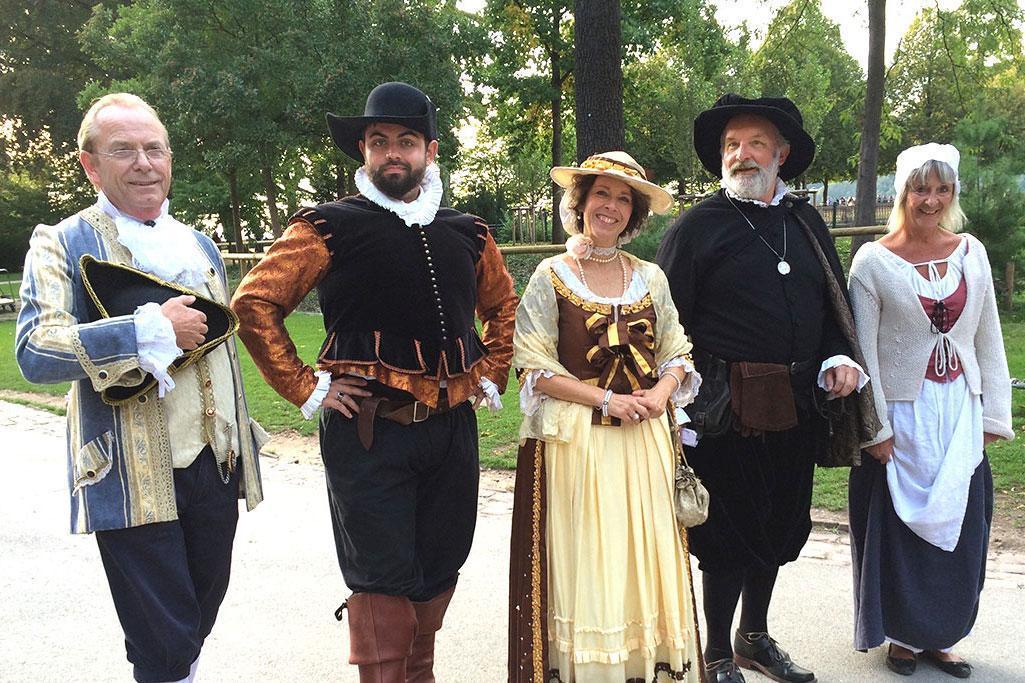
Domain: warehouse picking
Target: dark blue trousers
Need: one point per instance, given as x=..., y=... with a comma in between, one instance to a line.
x=404, y=512
x=168, y=579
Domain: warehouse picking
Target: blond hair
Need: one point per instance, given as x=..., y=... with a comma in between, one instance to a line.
x=87, y=131
x=953, y=218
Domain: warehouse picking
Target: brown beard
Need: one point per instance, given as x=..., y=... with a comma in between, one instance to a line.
x=398, y=186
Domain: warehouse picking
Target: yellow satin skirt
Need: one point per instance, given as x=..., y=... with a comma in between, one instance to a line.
x=620, y=599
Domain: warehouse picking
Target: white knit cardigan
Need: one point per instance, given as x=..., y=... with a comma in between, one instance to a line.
x=895, y=335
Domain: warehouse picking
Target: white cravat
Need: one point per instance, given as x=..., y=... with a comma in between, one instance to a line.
x=420, y=211
x=166, y=249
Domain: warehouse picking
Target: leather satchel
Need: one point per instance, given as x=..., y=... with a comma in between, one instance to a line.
x=690, y=497
x=762, y=397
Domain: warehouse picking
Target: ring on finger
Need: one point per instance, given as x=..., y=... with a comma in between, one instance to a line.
x=637, y=416
x=340, y=395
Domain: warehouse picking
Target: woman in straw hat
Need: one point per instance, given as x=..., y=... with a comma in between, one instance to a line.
x=921, y=505
x=600, y=586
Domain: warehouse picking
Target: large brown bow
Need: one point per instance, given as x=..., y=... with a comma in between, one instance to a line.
x=623, y=347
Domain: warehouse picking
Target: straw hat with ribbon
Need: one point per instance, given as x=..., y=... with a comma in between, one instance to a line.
x=617, y=165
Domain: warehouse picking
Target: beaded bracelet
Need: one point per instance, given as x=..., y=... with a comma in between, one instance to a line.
x=678, y=382
x=604, y=407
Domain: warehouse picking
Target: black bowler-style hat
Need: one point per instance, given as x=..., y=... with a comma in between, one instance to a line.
x=115, y=289
x=784, y=114
x=393, y=102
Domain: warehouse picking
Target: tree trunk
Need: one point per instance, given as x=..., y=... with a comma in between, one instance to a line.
x=558, y=234
x=271, y=189
x=868, y=161
x=598, y=77
x=236, y=210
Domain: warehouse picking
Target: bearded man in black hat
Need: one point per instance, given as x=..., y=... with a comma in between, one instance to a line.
x=759, y=286
x=399, y=279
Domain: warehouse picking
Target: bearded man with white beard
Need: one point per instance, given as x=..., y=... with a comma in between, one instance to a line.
x=759, y=286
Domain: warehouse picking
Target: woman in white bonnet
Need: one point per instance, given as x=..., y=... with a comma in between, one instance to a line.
x=922, y=500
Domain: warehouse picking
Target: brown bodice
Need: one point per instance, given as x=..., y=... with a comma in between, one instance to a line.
x=609, y=345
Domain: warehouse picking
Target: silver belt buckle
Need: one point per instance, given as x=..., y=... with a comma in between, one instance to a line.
x=427, y=411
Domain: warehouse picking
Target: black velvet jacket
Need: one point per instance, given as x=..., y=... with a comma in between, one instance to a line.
x=732, y=300
x=402, y=296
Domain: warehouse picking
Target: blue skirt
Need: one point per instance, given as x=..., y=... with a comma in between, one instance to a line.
x=905, y=588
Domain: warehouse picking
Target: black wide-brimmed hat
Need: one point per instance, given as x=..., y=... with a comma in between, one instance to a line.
x=394, y=102
x=115, y=289
x=784, y=114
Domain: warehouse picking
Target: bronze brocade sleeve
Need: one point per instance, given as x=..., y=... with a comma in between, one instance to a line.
x=270, y=291
x=496, y=308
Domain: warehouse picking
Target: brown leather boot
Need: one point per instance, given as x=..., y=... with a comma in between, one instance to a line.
x=381, y=632
x=429, y=615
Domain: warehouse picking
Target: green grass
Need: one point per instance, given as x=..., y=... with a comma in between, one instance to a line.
x=10, y=375
x=498, y=431
x=56, y=410
x=1006, y=458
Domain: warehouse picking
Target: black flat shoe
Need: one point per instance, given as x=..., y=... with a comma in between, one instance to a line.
x=901, y=665
x=723, y=671
x=760, y=652
x=958, y=669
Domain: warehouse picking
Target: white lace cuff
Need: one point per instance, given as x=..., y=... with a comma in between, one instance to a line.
x=687, y=390
x=309, y=409
x=156, y=343
x=530, y=398
x=837, y=360
x=492, y=399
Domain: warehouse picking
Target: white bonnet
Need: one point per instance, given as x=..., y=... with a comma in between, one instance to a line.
x=915, y=157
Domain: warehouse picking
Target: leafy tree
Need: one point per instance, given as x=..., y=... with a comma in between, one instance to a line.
x=944, y=65
x=959, y=76
x=527, y=74
x=803, y=58
x=243, y=87
x=25, y=204
x=690, y=62
x=868, y=158
x=991, y=162
x=42, y=68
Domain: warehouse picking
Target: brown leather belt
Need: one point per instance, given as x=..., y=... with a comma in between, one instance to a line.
x=403, y=412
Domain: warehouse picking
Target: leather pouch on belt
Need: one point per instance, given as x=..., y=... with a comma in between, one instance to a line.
x=762, y=398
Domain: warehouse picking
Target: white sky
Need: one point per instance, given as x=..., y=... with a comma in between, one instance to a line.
x=851, y=15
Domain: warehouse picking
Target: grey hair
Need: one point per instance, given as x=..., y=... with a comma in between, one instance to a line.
x=953, y=218
x=87, y=131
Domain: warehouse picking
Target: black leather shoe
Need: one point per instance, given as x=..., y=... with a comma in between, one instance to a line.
x=901, y=665
x=958, y=669
x=723, y=671
x=760, y=652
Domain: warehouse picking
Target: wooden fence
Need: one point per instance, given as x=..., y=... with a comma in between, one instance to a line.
x=247, y=260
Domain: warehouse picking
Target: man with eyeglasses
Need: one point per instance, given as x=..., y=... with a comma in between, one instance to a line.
x=157, y=476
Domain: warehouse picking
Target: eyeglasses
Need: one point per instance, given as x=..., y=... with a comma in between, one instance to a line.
x=154, y=154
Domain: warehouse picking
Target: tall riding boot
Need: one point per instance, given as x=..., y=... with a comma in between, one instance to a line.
x=381, y=632
x=429, y=615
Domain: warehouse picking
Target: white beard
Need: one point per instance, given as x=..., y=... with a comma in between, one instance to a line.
x=751, y=185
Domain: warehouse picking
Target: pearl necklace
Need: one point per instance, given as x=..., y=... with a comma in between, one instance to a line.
x=622, y=266
x=596, y=254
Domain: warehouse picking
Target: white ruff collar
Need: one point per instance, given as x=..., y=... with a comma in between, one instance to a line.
x=167, y=249
x=781, y=189
x=419, y=211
